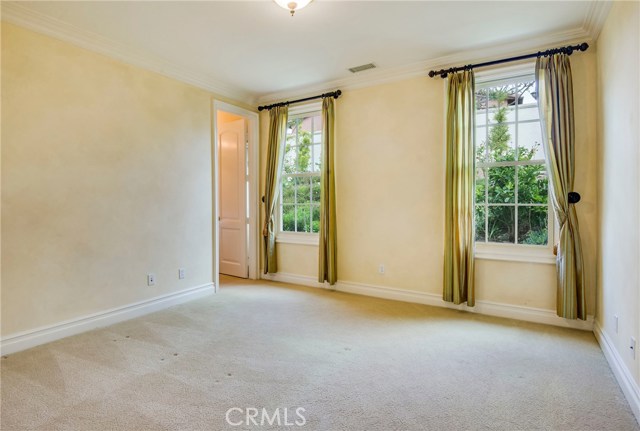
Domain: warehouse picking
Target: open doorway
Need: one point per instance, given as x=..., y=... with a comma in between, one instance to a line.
x=235, y=185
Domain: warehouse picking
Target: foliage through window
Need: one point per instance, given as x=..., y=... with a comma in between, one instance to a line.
x=300, y=192
x=511, y=186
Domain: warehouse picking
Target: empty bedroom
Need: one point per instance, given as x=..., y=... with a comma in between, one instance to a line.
x=320, y=215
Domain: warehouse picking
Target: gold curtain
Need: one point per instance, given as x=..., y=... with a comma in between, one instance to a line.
x=327, y=259
x=275, y=155
x=459, y=192
x=555, y=103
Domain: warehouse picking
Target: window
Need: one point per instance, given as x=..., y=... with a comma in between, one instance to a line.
x=511, y=184
x=300, y=184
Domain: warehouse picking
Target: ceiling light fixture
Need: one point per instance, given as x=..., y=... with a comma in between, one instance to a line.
x=292, y=6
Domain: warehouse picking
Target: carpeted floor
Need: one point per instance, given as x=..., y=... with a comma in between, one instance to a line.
x=351, y=362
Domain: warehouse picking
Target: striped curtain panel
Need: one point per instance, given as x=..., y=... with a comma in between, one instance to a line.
x=328, y=249
x=459, y=193
x=275, y=157
x=555, y=103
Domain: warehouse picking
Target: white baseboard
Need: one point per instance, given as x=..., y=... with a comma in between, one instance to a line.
x=529, y=314
x=27, y=339
x=626, y=381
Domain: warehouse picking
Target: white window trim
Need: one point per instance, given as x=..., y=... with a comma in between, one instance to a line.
x=300, y=238
x=515, y=252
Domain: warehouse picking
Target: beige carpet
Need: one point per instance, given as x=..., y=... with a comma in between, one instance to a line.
x=353, y=363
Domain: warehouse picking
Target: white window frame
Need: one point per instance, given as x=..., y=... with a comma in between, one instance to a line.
x=514, y=252
x=302, y=238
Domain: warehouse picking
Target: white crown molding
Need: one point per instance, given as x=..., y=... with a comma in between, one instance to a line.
x=489, y=308
x=24, y=17
x=595, y=18
x=383, y=76
x=20, y=15
x=35, y=337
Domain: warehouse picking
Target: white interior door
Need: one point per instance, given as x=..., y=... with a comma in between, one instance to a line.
x=233, y=198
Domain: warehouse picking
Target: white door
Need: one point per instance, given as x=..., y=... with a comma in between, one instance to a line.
x=233, y=199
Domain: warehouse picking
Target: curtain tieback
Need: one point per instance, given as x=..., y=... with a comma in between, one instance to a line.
x=573, y=197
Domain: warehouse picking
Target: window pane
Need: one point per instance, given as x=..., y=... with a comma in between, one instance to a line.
x=315, y=221
x=496, y=133
x=315, y=192
x=532, y=225
x=499, y=112
x=501, y=143
x=502, y=184
x=528, y=110
x=288, y=190
x=288, y=218
x=481, y=144
x=317, y=158
x=304, y=127
x=303, y=186
x=530, y=141
x=303, y=218
x=480, y=184
x=300, y=186
x=533, y=184
x=481, y=102
x=479, y=220
x=502, y=103
x=289, y=158
x=303, y=161
x=317, y=127
x=501, y=224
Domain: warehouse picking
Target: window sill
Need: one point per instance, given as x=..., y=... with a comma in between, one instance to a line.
x=298, y=238
x=515, y=254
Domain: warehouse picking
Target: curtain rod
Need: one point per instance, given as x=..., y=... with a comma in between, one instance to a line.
x=334, y=94
x=565, y=50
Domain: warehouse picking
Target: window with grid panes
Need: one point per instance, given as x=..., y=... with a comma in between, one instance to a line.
x=300, y=185
x=511, y=186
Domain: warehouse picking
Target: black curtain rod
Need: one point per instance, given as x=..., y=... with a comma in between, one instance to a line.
x=564, y=50
x=334, y=94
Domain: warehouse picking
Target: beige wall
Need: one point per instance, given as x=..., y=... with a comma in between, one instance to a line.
x=106, y=176
x=390, y=192
x=619, y=179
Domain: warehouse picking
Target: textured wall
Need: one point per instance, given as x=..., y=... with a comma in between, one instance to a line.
x=619, y=179
x=106, y=176
x=390, y=187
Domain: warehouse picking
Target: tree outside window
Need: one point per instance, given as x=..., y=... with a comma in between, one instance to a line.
x=300, y=192
x=511, y=187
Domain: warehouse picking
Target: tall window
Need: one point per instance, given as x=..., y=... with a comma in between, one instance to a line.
x=511, y=179
x=300, y=193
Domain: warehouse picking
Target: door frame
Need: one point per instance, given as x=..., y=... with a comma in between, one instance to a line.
x=252, y=119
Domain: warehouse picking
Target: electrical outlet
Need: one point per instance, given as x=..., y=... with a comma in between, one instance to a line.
x=615, y=322
x=632, y=346
x=181, y=273
x=381, y=268
x=151, y=279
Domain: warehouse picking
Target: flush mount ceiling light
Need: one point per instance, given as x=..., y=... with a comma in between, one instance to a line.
x=292, y=6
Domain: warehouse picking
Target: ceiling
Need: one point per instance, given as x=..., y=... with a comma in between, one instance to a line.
x=253, y=51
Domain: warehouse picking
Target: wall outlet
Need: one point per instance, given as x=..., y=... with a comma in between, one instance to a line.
x=180, y=273
x=615, y=322
x=632, y=346
x=151, y=279
x=381, y=268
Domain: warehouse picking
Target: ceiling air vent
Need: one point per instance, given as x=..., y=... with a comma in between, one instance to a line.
x=361, y=68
